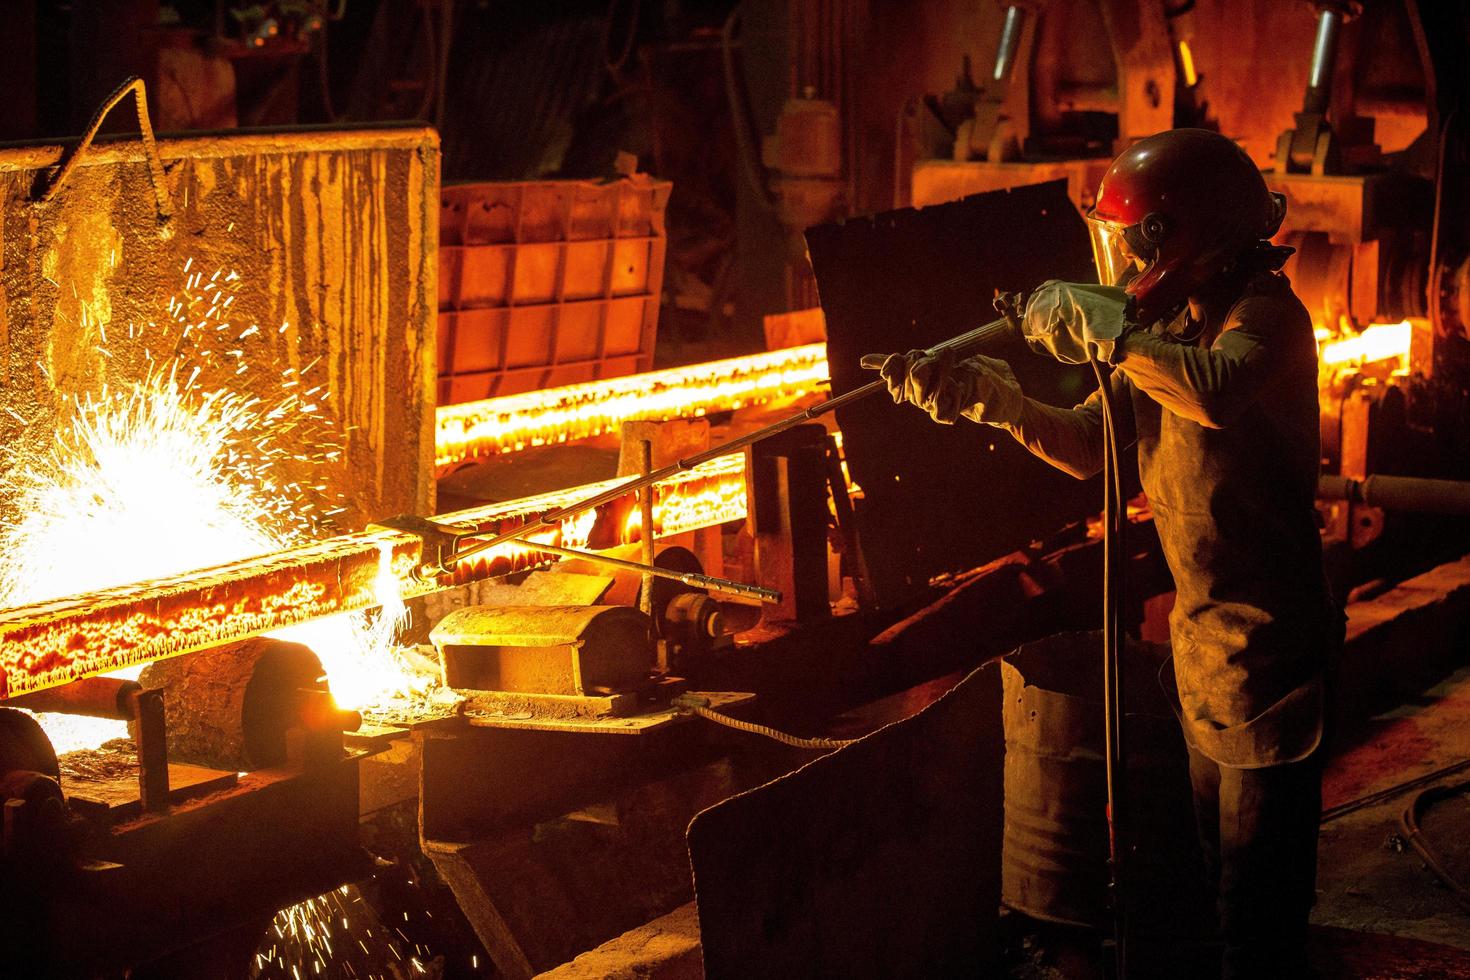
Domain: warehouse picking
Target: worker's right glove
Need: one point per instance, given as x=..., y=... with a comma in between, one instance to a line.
x=1076, y=321
x=979, y=388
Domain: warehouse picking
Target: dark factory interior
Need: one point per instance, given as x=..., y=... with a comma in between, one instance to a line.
x=1014, y=457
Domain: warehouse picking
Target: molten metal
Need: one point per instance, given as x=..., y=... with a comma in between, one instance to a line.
x=476, y=430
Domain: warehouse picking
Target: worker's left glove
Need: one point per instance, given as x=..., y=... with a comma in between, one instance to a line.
x=1069, y=320
x=980, y=388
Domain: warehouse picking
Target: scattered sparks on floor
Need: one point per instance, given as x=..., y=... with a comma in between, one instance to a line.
x=356, y=931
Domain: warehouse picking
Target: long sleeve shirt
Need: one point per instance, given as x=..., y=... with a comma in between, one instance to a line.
x=1228, y=455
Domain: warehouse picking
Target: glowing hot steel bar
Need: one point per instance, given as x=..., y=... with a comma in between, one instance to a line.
x=55, y=642
x=476, y=430
x=1379, y=342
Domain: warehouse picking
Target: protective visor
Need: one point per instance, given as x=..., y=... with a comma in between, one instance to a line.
x=1111, y=252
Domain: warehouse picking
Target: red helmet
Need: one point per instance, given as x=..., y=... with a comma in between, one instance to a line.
x=1185, y=203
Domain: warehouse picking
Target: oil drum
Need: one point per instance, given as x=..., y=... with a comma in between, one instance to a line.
x=1054, y=846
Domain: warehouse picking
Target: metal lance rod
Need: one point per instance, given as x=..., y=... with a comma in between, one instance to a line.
x=688, y=578
x=977, y=340
x=645, y=509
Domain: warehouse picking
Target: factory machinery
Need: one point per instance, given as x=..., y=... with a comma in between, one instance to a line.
x=557, y=677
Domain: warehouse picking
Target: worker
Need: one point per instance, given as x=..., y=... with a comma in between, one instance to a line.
x=1215, y=380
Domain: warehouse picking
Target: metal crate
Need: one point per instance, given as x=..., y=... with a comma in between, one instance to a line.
x=547, y=283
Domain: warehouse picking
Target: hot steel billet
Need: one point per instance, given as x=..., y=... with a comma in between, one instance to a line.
x=977, y=340
x=58, y=641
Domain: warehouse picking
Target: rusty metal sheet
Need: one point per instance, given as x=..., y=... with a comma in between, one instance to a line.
x=938, y=181
x=879, y=860
x=333, y=234
x=941, y=498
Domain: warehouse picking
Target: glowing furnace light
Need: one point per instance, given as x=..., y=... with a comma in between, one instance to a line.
x=710, y=494
x=224, y=450
x=1379, y=342
x=47, y=644
x=1186, y=64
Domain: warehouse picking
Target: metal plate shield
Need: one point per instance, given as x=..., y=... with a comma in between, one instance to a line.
x=333, y=234
x=939, y=498
x=879, y=860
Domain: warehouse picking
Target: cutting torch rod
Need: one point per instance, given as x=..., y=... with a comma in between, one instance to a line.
x=688, y=578
x=973, y=342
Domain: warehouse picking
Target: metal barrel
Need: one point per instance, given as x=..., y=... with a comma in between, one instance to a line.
x=1054, y=844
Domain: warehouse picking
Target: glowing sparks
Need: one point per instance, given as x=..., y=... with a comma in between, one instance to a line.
x=141, y=481
x=359, y=651
x=476, y=430
x=173, y=469
x=373, y=932
x=173, y=484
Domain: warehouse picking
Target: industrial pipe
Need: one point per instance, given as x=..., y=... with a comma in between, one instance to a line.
x=95, y=697
x=1010, y=36
x=1403, y=493
x=1324, y=56
x=232, y=707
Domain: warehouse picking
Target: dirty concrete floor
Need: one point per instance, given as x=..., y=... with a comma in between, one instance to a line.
x=1368, y=879
x=1380, y=914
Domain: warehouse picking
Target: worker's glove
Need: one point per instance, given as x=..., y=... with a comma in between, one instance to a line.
x=1069, y=320
x=980, y=388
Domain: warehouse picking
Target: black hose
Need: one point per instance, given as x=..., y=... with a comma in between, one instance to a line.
x=1113, y=706
x=1414, y=836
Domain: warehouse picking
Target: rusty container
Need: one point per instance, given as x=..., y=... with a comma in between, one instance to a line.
x=1054, y=845
x=547, y=283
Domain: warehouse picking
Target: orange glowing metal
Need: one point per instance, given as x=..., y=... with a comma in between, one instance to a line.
x=1379, y=342
x=54, y=642
x=476, y=430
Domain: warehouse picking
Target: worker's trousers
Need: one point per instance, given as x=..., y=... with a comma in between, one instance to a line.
x=1258, y=831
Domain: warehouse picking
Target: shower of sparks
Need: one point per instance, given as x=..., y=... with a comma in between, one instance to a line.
x=344, y=934
x=181, y=469
x=365, y=667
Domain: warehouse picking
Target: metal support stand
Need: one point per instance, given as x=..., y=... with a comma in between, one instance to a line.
x=151, y=736
x=853, y=561
x=786, y=485
x=645, y=536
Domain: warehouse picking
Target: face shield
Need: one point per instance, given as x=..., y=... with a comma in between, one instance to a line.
x=1111, y=252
